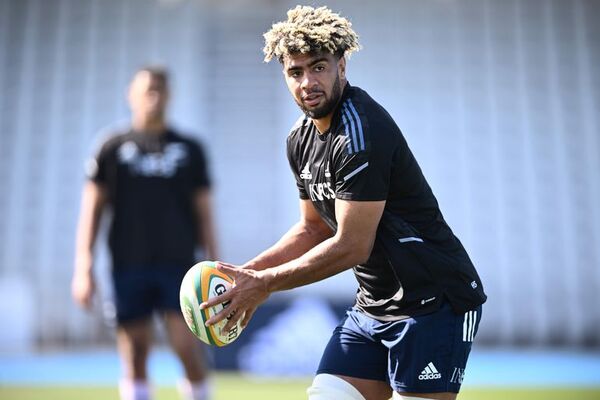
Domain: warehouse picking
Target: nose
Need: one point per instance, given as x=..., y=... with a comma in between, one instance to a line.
x=308, y=81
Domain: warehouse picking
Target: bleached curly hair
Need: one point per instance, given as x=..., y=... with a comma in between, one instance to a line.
x=308, y=30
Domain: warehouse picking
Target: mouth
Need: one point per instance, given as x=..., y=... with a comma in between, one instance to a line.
x=312, y=99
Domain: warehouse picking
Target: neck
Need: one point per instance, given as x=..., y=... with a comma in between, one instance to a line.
x=324, y=123
x=149, y=125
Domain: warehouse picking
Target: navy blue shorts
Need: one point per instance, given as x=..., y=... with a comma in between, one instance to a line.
x=424, y=354
x=138, y=292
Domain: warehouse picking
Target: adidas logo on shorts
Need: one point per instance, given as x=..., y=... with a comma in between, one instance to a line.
x=430, y=372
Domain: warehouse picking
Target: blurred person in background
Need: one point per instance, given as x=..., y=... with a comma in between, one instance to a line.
x=365, y=205
x=156, y=184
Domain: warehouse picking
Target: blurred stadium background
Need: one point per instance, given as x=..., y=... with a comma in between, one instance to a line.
x=499, y=100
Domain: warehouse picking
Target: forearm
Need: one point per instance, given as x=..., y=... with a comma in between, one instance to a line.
x=84, y=252
x=352, y=244
x=297, y=241
x=328, y=258
x=87, y=229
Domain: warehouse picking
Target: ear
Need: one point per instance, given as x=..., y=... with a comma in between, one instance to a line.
x=129, y=94
x=342, y=67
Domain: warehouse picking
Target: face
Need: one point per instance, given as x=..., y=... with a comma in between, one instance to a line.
x=148, y=95
x=315, y=81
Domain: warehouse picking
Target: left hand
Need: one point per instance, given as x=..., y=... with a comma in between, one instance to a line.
x=249, y=290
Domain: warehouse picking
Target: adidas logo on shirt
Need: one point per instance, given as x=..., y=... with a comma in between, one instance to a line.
x=305, y=173
x=430, y=372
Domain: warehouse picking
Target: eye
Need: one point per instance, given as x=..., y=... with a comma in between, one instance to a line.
x=319, y=68
x=295, y=73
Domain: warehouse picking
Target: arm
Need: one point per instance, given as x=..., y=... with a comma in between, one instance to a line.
x=303, y=236
x=93, y=201
x=204, y=210
x=351, y=245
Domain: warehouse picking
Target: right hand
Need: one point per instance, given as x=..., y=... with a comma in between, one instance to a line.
x=249, y=290
x=83, y=286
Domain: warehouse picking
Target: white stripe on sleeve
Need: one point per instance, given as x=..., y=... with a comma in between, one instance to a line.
x=356, y=171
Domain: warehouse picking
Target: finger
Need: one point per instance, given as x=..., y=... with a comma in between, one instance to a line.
x=232, y=320
x=87, y=302
x=82, y=298
x=229, y=269
x=218, y=317
x=247, y=316
x=226, y=264
x=80, y=301
x=217, y=300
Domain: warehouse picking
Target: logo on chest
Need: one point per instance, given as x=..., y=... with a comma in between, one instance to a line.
x=305, y=173
x=318, y=191
x=164, y=164
x=321, y=191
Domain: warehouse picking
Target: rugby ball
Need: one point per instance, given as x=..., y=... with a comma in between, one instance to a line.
x=203, y=282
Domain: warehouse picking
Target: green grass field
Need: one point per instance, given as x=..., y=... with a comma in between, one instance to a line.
x=235, y=387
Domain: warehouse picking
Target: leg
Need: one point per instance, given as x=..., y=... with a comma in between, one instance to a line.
x=133, y=301
x=424, y=396
x=428, y=353
x=370, y=389
x=186, y=346
x=354, y=364
x=133, y=342
x=335, y=387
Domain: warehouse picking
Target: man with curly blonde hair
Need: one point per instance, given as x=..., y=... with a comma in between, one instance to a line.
x=365, y=205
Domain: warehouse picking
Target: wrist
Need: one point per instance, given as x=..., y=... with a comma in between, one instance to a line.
x=268, y=278
x=250, y=265
x=83, y=264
